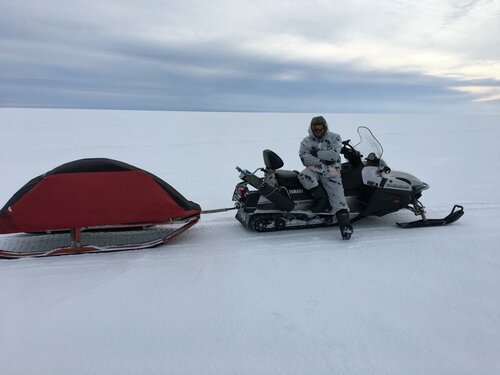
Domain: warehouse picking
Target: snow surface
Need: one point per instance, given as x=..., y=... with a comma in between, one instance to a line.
x=223, y=300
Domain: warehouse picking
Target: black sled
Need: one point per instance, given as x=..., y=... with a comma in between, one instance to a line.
x=277, y=200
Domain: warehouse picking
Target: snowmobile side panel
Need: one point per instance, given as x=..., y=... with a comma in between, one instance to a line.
x=273, y=194
x=384, y=201
x=352, y=180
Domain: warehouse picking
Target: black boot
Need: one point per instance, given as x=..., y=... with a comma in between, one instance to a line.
x=344, y=224
x=321, y=202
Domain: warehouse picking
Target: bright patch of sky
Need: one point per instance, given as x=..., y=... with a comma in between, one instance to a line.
x=347, y=56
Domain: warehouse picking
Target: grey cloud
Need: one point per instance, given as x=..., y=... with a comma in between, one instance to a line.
x=464, y=7
x=145, y=76
x=68, y=58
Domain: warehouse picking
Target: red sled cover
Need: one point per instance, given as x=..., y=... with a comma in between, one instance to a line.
x=93, y=193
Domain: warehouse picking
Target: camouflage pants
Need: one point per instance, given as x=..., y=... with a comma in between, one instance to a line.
x=333, y=187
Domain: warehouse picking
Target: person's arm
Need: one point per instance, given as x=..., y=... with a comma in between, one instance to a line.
x=307, y=156
x=332, y=154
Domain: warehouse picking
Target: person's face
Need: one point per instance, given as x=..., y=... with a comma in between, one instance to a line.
x=319, y=130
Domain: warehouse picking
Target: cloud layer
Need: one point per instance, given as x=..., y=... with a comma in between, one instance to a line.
x=257, y=56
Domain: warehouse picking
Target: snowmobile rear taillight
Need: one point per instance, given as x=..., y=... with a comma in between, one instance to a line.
x=242, y=192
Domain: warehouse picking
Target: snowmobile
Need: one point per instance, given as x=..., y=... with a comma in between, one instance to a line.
x=277, y=201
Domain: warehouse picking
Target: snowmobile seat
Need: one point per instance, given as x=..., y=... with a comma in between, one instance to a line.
x=288, y=179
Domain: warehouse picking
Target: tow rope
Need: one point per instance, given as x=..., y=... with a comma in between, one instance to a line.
x=219, y=210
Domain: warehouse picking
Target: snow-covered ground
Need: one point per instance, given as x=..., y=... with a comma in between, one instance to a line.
x=223, y=300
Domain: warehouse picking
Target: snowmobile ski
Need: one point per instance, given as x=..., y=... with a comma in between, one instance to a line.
x=455, y=214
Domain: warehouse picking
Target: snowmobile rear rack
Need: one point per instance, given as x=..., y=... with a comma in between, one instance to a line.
x=455, y=214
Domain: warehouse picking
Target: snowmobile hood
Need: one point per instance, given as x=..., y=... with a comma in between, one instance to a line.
x=310, y=130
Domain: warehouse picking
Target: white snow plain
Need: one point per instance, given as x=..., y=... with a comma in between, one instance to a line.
x=224, y=300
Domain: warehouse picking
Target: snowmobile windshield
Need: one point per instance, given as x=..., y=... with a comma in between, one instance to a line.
x=368, y=143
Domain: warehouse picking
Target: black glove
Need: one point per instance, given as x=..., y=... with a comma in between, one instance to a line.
x=327, y=162
x=314, y=152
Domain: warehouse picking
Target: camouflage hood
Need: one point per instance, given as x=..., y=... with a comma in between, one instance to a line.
x=315, y=121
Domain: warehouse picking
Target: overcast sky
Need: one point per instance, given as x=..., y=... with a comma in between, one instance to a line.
x=281, y=55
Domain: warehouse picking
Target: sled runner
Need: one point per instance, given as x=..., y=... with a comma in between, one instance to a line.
x=277, y=200
x=104, y=241
x=95, y=195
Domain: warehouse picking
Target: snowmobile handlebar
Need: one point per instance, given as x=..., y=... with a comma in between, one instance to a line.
x=352, y=155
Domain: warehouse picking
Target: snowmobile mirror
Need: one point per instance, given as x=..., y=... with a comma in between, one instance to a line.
x=272, y=160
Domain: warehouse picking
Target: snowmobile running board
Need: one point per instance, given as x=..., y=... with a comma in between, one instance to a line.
x=455, y=214
x=146, y=238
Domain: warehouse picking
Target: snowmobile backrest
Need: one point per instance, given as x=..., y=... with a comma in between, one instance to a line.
x=272, y=160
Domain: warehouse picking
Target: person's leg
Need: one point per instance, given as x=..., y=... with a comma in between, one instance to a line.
x=335, y=191
x=310, y=182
